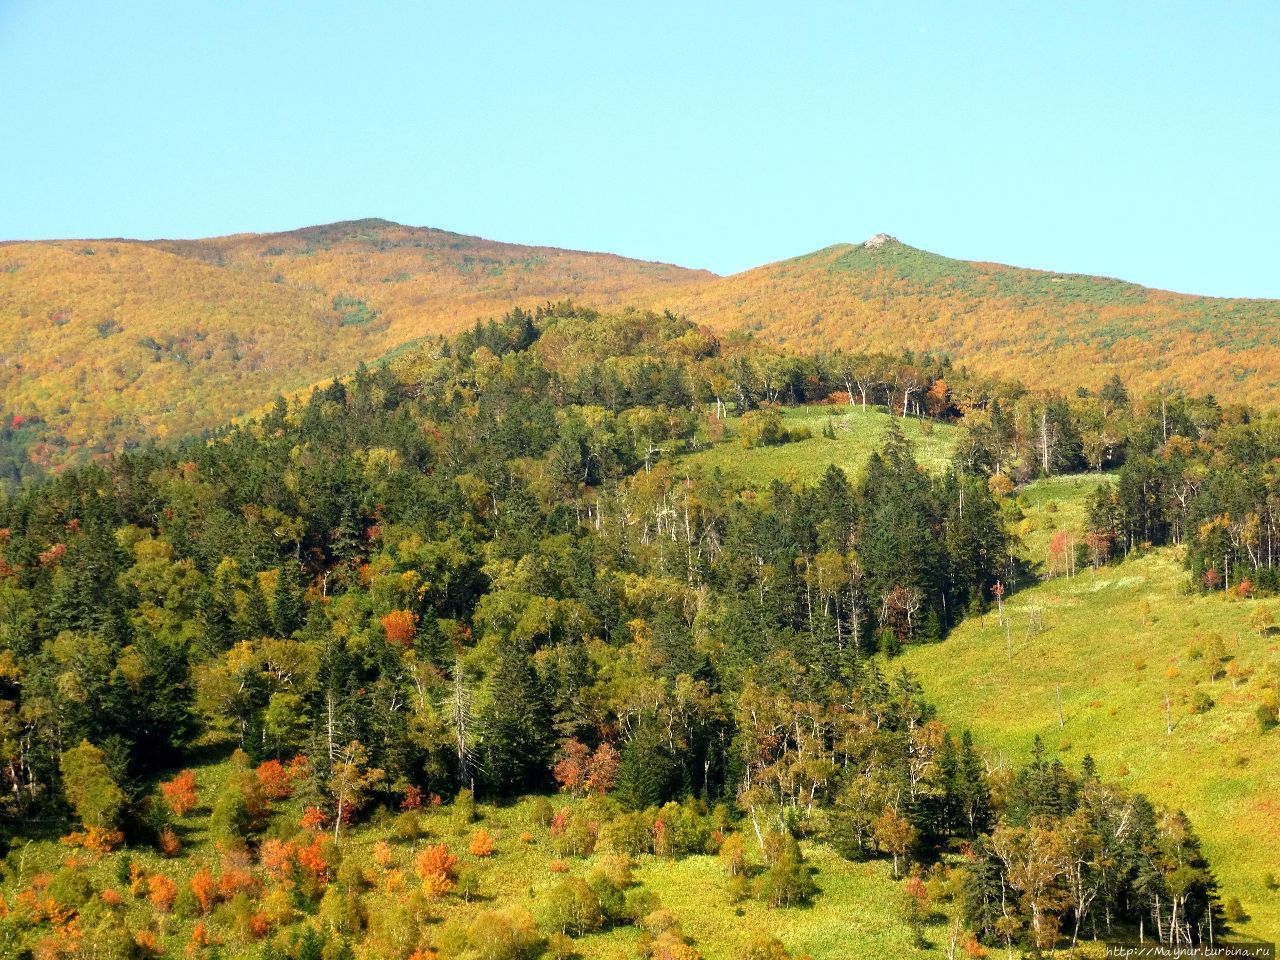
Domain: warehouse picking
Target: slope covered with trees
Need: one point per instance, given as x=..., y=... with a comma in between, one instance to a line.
x=479, y=570
x=107, y=344
x=1072, y=330
x=104, y=344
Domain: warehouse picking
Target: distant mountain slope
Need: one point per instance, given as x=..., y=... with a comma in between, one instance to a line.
x=109, y=342
x=419, y=275
x=104, y=343
x=1051, y=329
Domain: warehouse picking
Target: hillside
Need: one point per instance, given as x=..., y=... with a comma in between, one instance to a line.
x=108, y=343
x=241, y=680
x=1071, y=330
x=1116, y=643
x=526, y=870
x=857, y=434
x=114, y=342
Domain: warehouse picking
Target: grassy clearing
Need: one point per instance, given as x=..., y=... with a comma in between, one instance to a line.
x=858, y=434
x=856, y=914
x=1117, y=644
x=1050, y=505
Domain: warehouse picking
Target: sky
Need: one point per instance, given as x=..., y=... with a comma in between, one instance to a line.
x=1130, y=139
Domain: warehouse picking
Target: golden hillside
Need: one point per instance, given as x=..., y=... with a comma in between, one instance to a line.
x=1049, y=329
x=104, y=343
x=110, y=342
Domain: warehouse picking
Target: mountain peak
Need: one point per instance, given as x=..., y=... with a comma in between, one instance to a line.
x=879, y=240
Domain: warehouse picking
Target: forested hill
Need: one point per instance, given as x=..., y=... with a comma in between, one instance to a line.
x=1072, y=330
x=484, y=566
x=105, y=344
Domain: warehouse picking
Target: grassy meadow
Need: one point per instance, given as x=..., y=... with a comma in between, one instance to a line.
x=858, y=434
x=1116, y=643
x=855, y=915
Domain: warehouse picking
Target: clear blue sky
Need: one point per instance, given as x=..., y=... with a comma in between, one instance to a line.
x=1139, y=140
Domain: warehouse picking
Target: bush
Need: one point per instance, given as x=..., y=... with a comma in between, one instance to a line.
x=765, y=947
x=1200, y=702
x=788, y=881
x=407, y=827
x=638, y=903
x=70, y=888
x=504, y=935
x=90, y=788
x=573, y=908
x=560, y=947
x=481, y=844
x=541, y=811
x=733, y=854
x=1266, y=715
x=617, y=869
x=629, y=833
x=464, y=807
x=681, y=830
x=576, y=839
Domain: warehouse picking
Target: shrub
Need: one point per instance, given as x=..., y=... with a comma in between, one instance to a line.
x=180, y=793
x=541, y=811
x=765, y=947
x=464, y=807
x=437, y=869
x=573, y=908
x=577, y=839
x=90, y=788
x=162, y=892
x=788, y=880
x=733, y=854
x=638, y=903
x=407, y=827
x=275, y=779
x=504, y=935
x=69, y=888
x=400, y=626
x=204, y=889
x=628, y=833
x=1267, y=718
x=680, y=830
x=560, y=947
x=168, y=842
x=481, y=844
x=618, y=869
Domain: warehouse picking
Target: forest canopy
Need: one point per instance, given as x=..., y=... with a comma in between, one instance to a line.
x=479, y=571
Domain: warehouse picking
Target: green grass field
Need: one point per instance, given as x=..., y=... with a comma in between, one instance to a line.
x=858, y=434
x=1116, y=644
x=855, y=915
x=1050, y=505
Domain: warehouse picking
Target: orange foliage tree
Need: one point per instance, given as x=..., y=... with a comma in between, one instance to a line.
x=180, y=793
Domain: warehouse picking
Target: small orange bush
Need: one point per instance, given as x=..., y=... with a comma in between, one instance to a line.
x=162, y=892
x=180, y=793
x=481, y=844
x=204, y=889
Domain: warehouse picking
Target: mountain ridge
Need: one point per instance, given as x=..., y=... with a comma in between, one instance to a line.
x=111, y=341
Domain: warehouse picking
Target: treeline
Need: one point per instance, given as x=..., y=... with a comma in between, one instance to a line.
x=478, y=568
x=1208, y=480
